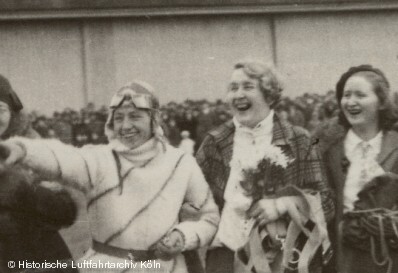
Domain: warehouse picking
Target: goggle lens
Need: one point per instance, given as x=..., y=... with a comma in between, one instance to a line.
x=129, y=95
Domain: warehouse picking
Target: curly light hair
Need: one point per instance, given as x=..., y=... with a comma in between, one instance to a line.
x=270, y=81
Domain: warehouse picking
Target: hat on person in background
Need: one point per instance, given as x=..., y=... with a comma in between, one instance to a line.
x=8, y=95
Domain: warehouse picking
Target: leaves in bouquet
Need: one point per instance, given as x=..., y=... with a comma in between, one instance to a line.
x=257, y=182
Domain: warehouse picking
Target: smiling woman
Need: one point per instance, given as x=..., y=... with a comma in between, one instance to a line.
x=261, y=170
x=135, y=117
x=132, y=125
x=360, y=103
x=363, y=148
x=364, y=98
x=136, y=186
x=253, y=91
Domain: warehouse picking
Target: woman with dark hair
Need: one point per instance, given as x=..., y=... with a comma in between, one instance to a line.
x=387, y=114
x=358, y=147
x=30, y=212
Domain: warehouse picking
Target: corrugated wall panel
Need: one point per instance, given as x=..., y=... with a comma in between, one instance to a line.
x=58, y=64
x=43, y=62
x=100, y=60
x=314, y=50
x=188, y=57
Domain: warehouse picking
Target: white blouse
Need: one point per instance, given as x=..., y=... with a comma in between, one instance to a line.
x=363, y=165
x=234, y=228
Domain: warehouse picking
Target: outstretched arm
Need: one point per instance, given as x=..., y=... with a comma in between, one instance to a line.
x=53, y=160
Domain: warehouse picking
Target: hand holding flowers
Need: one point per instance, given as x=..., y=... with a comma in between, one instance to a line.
x=258, y=177
x=267, y=210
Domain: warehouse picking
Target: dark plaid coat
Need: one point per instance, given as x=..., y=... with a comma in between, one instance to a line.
x=306, y=171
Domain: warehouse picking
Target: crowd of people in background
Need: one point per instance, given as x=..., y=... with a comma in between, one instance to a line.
x=183, y=123
x=273, y=202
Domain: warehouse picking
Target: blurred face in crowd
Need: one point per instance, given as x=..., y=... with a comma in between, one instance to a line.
x=360, y=103
x=246, y=100
x=205, y=109
x=132, y=125
x=188, y=115
x=5, y=117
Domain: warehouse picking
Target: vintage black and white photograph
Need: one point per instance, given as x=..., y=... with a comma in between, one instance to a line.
x=199, y=136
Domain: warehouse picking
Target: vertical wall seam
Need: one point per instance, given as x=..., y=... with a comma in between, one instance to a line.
x=84, y=53
x=273, y=40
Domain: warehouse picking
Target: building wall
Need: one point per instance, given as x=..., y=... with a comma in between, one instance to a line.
x=61, y=63
x=187, y=57
x=313, y=51
x=43, y=61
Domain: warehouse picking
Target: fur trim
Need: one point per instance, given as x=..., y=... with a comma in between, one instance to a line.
x=328, y=133
x=19, y=193
x=15, y=188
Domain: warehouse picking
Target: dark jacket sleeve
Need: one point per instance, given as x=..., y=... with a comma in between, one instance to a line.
x=213, y=168
x=203, y=156
x=324, y=188
x=314, y=172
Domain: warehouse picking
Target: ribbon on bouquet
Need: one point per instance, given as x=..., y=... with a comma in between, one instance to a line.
x=300, y=254
x=306, y=234
x=259, y=255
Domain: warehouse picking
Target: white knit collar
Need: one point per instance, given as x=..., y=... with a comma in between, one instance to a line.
x=145, y=152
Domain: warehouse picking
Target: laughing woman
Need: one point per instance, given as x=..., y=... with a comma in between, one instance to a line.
x=358, y=148
x=268, y=181
x=136, y=187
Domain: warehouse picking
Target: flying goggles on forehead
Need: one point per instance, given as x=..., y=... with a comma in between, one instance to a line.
x=139, y=100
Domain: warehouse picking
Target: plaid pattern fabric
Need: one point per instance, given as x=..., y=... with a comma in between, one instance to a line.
x=306, y=171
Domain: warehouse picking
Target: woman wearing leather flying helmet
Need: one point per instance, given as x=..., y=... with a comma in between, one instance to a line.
x=135, y=186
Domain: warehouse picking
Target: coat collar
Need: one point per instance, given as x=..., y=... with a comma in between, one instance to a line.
x=332, y=134
x=333, y=144
x=225, y=131
x=282, y=133
x=224, y=137
x=331, y=139
x=389, y=145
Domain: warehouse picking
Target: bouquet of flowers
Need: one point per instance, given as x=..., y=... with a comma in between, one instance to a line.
x=263, y=176
x=261, y=172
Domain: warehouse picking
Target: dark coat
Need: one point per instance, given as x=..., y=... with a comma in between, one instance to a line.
x=351, y=258
x=306, y=171
x=31, y=214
